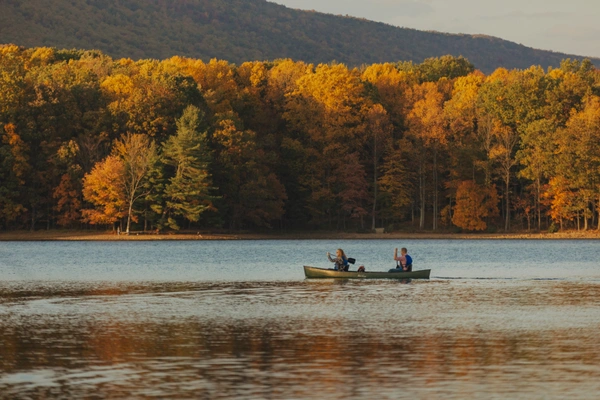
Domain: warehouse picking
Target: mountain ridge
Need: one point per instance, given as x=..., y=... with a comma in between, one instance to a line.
x=246, y=30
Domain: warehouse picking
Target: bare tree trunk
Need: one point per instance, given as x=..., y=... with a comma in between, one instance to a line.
x=129, y=216
x=32, y=228
x=435, y=190
x=373, y=225
x=538, y=205
x=507, y=210
x=422, y=197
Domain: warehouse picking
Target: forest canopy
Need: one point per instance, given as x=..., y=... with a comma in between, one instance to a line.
x=180, y=143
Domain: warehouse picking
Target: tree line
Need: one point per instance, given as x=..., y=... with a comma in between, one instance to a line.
x=184, y=144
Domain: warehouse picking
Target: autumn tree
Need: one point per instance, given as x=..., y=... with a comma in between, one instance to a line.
x=473, y=204
x=258, y=114
x=353, y=194
x=139, y=156
x=146, y=97
x=68, y=193
x=251, y=193
x=14, y=167
x=578, y=161
x=326, y=114
x=379, y=130
x=396, y=185
x=68, y=201
x=449, y=67
x=217, y=80
x=465, y=153
x=12, y=81
x=536, y=156
x=505, y=144
x=462, y=120
x=559, y=193
x=296, y=171
x=103, y=188
x=513, y=100
x=427, y=128
x=392, y=87
x=115, y=184
x=282, y=81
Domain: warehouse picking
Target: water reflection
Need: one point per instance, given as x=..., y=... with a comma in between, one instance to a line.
x=300, y=339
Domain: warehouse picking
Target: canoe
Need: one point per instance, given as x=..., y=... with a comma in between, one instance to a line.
x=314, y=273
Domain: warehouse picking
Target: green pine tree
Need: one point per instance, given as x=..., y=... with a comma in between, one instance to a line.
x=187, y=193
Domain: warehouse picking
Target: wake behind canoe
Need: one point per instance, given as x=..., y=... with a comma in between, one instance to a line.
x=315, y=273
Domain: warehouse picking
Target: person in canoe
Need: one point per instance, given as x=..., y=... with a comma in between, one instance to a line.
x=340, y=260
x=404, y=261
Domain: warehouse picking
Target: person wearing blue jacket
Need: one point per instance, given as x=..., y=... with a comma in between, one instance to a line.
x=404, y=261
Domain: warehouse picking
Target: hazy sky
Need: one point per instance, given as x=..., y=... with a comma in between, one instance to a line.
x=566, y=26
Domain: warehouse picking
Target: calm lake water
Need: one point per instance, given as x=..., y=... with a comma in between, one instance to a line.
x=237, y=319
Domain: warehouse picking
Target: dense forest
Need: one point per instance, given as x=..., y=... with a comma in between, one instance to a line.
x=87, y=140
x=244, y=30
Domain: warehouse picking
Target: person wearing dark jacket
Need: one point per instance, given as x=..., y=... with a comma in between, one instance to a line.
x=340, y=260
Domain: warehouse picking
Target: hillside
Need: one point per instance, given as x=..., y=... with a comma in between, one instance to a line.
x=243, y=30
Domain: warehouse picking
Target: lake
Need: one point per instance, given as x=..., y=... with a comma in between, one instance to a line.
x=237, y=319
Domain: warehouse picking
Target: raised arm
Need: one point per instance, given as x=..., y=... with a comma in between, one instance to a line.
x=331, y=259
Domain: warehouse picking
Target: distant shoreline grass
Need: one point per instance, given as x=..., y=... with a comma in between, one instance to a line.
x=76, y=235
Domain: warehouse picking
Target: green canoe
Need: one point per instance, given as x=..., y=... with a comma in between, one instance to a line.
x=313, y=273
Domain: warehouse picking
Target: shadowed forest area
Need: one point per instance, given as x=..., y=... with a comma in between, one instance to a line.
x=182, y=144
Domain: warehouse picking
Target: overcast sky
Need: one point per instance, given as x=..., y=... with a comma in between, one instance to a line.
x=566, y=26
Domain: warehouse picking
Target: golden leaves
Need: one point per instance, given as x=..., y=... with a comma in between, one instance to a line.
x=103, y=187
x=473, y=204
x=19, y=151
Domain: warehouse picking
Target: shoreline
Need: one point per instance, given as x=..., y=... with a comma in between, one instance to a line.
x=67, y=235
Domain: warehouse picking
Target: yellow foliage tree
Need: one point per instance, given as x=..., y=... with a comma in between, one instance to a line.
x=427, y=128
x=392, y=87
x=562, y=199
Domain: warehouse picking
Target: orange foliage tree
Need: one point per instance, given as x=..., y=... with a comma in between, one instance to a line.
x=115, y=184
x=103, y=187
x=473, y=204
x=68, y=203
